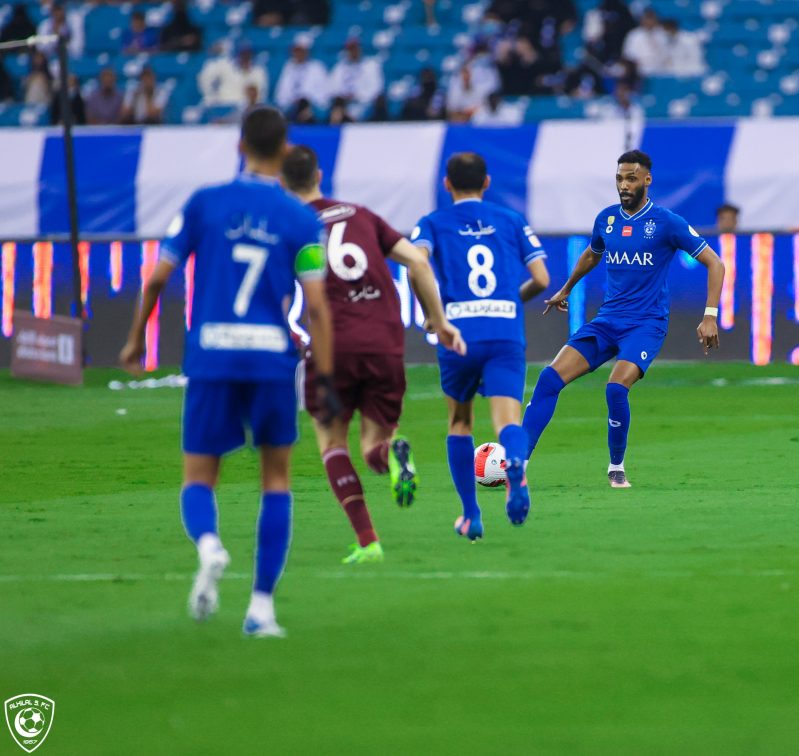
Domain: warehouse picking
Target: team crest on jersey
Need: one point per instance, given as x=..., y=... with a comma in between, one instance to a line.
x=336, y=213
x=649, y=228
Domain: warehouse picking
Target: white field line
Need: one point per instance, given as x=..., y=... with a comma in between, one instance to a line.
x=526, y=575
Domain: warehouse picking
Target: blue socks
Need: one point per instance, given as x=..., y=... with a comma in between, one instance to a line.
x=542, y=406
x=515, y=440
x=198, y=510
x=274, y=536
x=618, y=421
x=460, y=454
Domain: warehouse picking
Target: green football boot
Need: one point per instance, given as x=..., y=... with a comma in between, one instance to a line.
x=402, y=470
x=364, y=554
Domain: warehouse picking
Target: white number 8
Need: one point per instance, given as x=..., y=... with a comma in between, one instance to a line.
x=481, y=261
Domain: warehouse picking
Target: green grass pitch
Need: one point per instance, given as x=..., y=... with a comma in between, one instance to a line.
x=659, y=620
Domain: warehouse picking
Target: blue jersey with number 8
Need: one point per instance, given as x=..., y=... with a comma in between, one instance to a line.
x=251, y=239
x=479, y=250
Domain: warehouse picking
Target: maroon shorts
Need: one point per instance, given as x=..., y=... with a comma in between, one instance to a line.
x=373, y=384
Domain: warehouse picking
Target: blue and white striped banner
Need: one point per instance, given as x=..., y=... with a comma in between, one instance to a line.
x=559, y=173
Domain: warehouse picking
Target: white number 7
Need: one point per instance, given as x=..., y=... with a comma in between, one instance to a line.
x=255, y=257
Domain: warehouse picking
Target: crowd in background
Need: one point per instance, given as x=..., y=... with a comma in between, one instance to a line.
x=514, y=50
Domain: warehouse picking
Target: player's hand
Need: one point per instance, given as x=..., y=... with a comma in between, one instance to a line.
x=560, y=301
x=328, y=399
x=450, y=338
x=708, y=333
x=131, y=356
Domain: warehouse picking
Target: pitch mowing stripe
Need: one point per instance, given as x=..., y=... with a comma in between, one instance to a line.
x=378, y=572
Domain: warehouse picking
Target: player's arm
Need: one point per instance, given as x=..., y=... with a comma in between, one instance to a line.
x=539, y=280
x=587, y=261
x=708, y=330
x=131, y=355
x=310, y=267
x=423, y=283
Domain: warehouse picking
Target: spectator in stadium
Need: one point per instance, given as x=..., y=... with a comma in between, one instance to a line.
x=684, y=53
x=179, y=34
x=430, y=13
x=310, y=13
x=224, y=81
x=464, y=98
x=485, y=75
x=270, y=12
x=622, y=104
x=145, y=104
x=302, y=78
x=104, y=104
x=426, y=102
x=339, y=112
x=356, y=80
x=646, y=45
x=139, y=37
x=76, y=103
x=8, y=89
x=496, y=112
x=517, y=61
x=70, y=25
x=19, y=26
x=727, y=218
x=604, y=29
x=39, y=81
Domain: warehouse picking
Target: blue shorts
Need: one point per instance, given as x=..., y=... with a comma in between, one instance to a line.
x=216, y=413
x=494, y=368
x=602, y=339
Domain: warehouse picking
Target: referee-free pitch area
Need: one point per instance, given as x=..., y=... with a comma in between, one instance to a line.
x=663, y=619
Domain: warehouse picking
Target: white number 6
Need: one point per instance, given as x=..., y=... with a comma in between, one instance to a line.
x=338, y=249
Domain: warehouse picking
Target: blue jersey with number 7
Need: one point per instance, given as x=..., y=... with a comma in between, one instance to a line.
x=251, y=239
x=479, y=250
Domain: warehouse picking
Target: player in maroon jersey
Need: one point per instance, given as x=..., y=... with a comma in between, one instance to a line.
x=369, y=340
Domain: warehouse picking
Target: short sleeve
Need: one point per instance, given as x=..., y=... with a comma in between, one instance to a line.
x=597, y=240
x=529, y=244
x=182, y=233
x=686, y=237
x=422, y=235
x=387, y=235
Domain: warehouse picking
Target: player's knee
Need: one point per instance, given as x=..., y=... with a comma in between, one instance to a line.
x=376, y=458
x=550, y=381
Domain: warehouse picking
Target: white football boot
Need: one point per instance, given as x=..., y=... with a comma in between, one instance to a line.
x=260, y=621
x=204, y=596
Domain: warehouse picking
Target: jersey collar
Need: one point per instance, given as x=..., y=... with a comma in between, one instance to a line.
x=468, y=199
x=257, y=177
x=643, y=211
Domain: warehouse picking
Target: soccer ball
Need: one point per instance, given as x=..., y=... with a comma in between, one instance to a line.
x=32, y=720
x=489, y=465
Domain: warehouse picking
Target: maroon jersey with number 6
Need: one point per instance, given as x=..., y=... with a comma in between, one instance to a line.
x=363, y=299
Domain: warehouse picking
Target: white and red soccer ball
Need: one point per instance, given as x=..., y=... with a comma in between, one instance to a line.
x=489, y=465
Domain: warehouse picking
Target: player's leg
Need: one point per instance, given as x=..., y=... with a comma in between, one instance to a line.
x=568, y=365
x=272, y=413
x=503, y=383
x=334, y=448
x=211, y=428
x=638, y=348
x=460, y=456
x=381, y=395
x=273, y=537
x=346, y=486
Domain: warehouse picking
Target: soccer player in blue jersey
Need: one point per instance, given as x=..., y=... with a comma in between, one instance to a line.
x=638, y=241
x=479, y=251
x=251, y=239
